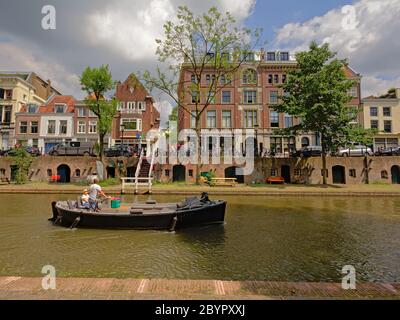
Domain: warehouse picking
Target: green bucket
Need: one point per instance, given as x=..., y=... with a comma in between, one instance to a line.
x=115, y=203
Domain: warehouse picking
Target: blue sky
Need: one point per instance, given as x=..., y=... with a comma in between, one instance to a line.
x=272, y=15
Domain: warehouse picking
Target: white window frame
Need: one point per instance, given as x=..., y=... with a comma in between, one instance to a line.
x=92, y=124
x=80, y=125
x=60, y=126
x=138, y=123
x=141, y=105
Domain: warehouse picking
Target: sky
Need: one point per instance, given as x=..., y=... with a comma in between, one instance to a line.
x=121, y=33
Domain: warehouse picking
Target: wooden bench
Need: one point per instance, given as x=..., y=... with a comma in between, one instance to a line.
x=278, y=180
x=5, y=180
x=223, y=182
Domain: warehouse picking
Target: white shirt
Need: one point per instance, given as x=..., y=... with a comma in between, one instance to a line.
x=93, y=191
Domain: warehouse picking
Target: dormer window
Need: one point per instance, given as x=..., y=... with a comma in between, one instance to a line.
x=271, y=56
x=248, y=56
x=32, y=108
x=284, y=56
x=59, y=108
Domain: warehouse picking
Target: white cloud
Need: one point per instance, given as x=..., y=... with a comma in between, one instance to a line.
x=366, y=33
x=376, y=86
x=14, y=58
x=131, y=27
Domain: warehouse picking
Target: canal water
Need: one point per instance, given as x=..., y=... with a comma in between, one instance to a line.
x=264, y=238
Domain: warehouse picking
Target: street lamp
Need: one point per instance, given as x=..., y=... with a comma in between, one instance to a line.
x=256, y=127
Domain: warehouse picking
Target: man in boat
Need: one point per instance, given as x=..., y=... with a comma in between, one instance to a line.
x=94, y=191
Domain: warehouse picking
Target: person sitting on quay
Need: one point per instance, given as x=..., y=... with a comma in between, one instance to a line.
x=85, y=199
x=94, y=191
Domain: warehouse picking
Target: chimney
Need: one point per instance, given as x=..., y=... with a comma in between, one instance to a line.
x=48, y=88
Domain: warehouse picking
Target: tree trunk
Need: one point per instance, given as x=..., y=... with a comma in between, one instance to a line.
x=101, y=154
x=366, y=168
x=324, y=177
x=198, y=146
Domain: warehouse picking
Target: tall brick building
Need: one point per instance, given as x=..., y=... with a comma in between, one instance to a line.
x=136, y=113
x=246, y=101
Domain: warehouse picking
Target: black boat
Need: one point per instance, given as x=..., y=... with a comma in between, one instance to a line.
x=150, y=215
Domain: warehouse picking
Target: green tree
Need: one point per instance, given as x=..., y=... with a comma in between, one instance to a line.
x=174, y=114
x=317, y=94
x=96, y=83
x=23, y=162
x=210, y=43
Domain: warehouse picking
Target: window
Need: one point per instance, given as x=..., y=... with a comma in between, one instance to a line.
x=384, y=174
x=82, y=111
x=23, y=127
x=387, y=112
x=284, y=77
x=276, y=144
x=35, y=143
x=211, y=119
x=193, y=78
x=211, y=97
x=273, y=97
x=250, y=118
x=305, y=142
x=226, y=97
x=326, y=172
x=8, y=94
x=59, y=108
x=271, y=56
x=248, y=56
x=130, y=106
x=92, y=114
x=276, y=78
x=77, y=173
x=51, y=127
x=284, y=56
x=141, y=105
x=353, y=92
x=190, y=173
x=93, y=126
x=274, y=172
x=387, y=126
x=249, y=77
x=210, y=78
x=225, y=79
x=167, y=173
x=32, y=108
x=373, y=111
x=7, y=114
x=250, y=97
x=353, y=173
x=226, y=119
x=132, y=124
x=270, y=78
x=63, y=127
x=120, y=106
x=274, y=119
x=375, y=124
x=297, y=172
x=81, y=127
x=195, y=97
x=34, y=127
x=288, y=121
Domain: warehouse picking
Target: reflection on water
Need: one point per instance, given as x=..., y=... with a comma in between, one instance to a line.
x=264, y=238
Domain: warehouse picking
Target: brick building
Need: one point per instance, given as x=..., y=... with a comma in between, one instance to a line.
x=246, y=101
x=136, y=113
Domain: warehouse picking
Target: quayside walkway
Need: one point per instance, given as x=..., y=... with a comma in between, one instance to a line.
x=101, y=288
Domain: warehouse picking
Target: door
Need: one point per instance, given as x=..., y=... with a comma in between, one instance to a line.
x=65, y=173
x=395, y=175
x=285, y=173
x=179, y=173
x=339, y=175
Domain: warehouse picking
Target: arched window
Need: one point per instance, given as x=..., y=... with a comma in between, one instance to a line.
x=249, y=76
x=77, y=173
x=305, y=142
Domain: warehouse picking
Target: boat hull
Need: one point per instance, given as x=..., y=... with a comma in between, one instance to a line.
x=213, y=212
